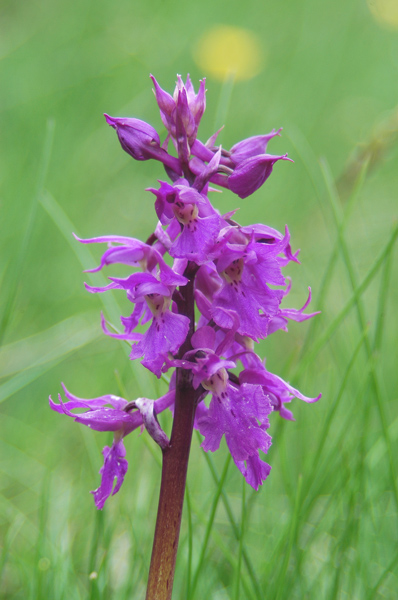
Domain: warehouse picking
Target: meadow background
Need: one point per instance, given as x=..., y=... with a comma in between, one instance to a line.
x=324, y=525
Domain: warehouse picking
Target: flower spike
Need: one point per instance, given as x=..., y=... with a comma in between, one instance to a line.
x=204, y=289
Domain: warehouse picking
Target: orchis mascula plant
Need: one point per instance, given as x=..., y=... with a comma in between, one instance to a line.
x=222, y=293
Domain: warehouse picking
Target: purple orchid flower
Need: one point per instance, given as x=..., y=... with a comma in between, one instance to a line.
x=199, y=223
x=168, y=329
x=151, y=293
x=121, y=420
x=248, y=264
x=240, y=412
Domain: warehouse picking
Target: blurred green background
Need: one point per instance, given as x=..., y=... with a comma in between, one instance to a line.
x=324, y=525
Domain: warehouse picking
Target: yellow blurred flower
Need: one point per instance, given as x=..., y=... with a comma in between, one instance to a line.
x=225, y=51
x=385, y=12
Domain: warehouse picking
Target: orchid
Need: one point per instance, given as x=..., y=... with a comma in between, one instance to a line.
x=208, y=289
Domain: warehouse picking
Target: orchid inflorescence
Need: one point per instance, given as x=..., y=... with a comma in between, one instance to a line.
x=234, y=274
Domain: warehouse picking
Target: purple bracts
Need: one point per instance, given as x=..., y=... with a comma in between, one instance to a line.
x=233, y=277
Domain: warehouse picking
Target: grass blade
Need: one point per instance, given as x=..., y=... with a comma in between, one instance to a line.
x=16, y=269
x=84, y=256
x=362, y=323
x=50, y=344
x=333, y=326
x=228, y=509
x=190, y=541
x=210, y=525
x=292, y=535
x=242, y=530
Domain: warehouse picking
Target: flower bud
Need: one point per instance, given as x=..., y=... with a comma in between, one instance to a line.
x=141, y=141
x=182, y=112
x=137, y=138
x=251, y=146
x=250, y=174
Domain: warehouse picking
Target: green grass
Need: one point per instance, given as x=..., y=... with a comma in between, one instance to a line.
x=324, y=525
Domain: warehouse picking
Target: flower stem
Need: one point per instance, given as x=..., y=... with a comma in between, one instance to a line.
x=174, y=472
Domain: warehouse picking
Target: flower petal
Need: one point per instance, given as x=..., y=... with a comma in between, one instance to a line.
x=114, y=467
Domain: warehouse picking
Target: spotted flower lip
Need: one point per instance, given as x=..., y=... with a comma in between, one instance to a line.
x=234, y=410
x=166, y=334
x=167, y=330
x=248, y=268
x=169, y=197
x=199, y=223
x=240, y=411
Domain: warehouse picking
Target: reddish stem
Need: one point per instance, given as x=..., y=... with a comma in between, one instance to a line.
x=174, y=469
